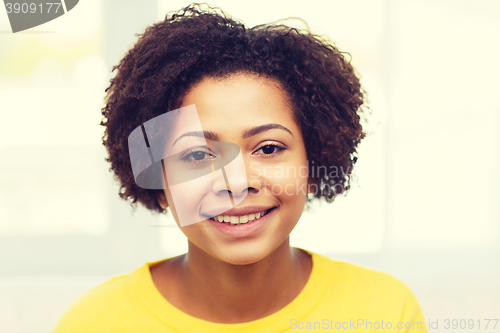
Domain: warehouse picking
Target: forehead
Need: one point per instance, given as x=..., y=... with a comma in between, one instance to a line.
x=241, y=99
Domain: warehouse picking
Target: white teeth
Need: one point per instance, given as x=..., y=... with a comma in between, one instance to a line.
x=238, y=219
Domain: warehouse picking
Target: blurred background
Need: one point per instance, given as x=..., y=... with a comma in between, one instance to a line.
x=425, y=206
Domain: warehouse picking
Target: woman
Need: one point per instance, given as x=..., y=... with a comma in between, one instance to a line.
x=216, y=123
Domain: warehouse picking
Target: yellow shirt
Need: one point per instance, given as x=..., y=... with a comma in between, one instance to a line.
x=337, y=297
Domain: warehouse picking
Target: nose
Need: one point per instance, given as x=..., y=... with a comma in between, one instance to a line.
x=235, y=180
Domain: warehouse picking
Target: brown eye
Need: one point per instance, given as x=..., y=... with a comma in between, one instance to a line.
x=268, y=149
x=199, y=155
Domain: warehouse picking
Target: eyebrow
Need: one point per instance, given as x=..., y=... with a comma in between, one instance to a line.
x=258, y=129
x=209, y=135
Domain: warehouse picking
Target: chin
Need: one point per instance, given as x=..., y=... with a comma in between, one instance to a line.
x=243, y=260
x=245, y=255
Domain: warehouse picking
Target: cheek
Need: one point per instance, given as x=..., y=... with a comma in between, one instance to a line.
x=185, y=199
x=198, y=199
x=287, y=182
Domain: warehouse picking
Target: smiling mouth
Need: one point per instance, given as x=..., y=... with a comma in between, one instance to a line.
x=229, y=219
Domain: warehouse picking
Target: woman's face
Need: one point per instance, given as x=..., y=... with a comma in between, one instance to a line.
x=269, y=175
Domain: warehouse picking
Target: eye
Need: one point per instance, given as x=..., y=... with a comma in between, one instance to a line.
x=197, y=155
x=270, y=148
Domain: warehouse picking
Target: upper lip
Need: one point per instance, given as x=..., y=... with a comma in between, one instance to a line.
x=237, y=211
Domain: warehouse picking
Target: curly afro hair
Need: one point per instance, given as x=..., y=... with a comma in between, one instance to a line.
x=173, y=55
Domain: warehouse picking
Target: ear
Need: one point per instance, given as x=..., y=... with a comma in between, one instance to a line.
x=162, y=200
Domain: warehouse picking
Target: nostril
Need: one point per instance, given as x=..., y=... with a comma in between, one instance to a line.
x=255, y=184
x=237, y=193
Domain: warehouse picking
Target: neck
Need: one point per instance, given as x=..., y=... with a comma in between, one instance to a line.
x=221, y=292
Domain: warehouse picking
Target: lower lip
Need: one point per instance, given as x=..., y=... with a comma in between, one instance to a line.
x=241, y=230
